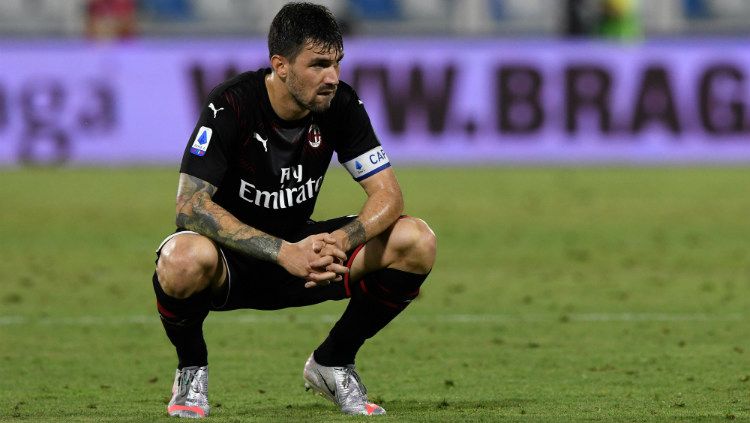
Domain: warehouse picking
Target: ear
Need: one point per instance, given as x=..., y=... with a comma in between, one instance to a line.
x=280, y=66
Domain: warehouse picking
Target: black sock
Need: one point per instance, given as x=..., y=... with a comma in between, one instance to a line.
x=376, y=300
x=183, y=321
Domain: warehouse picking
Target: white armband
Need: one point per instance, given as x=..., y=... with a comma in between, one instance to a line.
x=367, y=164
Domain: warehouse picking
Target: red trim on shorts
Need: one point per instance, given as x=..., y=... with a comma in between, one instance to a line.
x=164, y=312
x=349, y=265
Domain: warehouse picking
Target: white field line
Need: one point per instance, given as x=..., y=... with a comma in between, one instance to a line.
x=271, y=318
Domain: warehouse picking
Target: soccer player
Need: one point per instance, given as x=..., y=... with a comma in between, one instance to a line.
x=249, y=179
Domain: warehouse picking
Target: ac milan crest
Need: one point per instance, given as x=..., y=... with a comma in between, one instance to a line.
x=313, y=136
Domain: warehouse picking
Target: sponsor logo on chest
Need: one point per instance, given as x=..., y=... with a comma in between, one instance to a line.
x=298, y=192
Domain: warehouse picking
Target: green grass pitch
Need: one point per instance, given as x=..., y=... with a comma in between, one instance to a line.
x=559, y=294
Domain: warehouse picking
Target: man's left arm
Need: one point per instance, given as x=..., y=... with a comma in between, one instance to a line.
x=384, y=205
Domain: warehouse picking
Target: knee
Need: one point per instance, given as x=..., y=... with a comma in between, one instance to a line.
x=414, y=243
x=187, y=264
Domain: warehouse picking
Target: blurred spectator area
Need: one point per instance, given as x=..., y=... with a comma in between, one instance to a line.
x=44, y=18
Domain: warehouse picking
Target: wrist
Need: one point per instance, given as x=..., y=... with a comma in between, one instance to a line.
x=342, y=240
x=282, y=254
x=352, y=234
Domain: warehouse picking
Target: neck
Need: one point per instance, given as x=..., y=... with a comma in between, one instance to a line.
x=282, y=102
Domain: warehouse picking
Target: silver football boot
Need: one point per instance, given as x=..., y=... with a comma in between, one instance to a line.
x=340, y=385
x=190, y=393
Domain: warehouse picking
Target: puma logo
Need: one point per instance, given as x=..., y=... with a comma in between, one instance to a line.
x=214, y=109
x=262, y=141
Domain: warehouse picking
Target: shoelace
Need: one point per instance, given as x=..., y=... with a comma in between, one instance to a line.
x=188, y=378
x=184, y=382
x=351, y=373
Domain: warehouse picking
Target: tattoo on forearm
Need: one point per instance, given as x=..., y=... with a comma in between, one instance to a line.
x=196, y=212
x=355, y=232
x=263, y=247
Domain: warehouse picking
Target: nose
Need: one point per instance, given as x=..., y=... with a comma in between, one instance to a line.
x=331, y=76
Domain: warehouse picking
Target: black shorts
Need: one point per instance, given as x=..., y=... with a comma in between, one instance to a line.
x=262, y=285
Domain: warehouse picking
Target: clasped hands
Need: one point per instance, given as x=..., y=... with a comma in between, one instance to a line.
x=318, y=259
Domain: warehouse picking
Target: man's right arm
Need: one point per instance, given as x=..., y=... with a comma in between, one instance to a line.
x=312, y=258
x=197, y=212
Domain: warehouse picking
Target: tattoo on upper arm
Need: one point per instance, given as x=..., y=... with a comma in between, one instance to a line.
x=355, y=232
x=190, y=185
x=197, y=212
x=191, y=194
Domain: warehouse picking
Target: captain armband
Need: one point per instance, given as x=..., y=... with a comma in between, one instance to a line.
x=367, y=164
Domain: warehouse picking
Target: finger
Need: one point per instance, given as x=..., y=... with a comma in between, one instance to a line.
x=329, y=239
x=321, y=277
x=337, y=268
x=317, y=246
x=312, y=284
x=334, y=251
x=321, y=262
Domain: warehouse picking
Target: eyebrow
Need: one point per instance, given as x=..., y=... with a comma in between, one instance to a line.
x=325, y=60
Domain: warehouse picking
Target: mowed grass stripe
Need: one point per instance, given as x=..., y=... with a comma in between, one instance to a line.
x=330, y=318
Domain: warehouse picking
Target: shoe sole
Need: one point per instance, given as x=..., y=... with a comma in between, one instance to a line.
x=184, y=411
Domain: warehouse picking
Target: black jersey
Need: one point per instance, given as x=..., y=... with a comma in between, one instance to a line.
x=269, y=171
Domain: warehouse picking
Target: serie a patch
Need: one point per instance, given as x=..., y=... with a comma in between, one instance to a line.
x=367, y=164
x=201, y=141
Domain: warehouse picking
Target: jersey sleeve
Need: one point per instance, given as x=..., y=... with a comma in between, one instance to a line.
x=359, y=149
x=210, y=144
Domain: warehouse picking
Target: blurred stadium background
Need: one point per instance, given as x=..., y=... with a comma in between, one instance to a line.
x=550, y=18
x=583, y=163
x=493, y=81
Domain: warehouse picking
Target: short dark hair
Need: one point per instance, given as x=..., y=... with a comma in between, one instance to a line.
x=299, y=23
